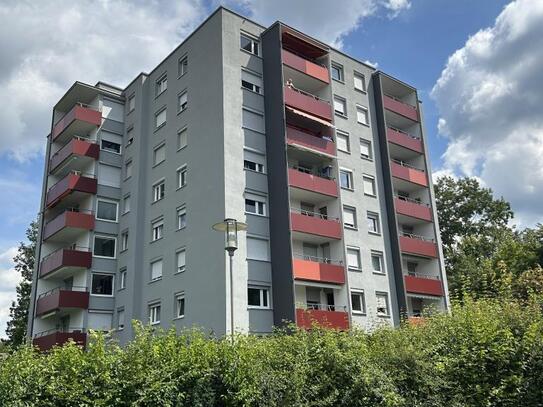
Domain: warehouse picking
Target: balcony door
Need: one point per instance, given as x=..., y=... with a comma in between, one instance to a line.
x=310, y=251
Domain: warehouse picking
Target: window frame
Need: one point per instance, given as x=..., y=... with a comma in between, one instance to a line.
x=367, y=115
x=344, y=102
x=120, y=152
x=124, y=241
x=350, y=179
x=255, y=44
x=347, y=208
x=376, y=220
x=98, y=200
x=362, y=294
x=260, y=204
x=182, y=66
x=126, y=198
x=154, y=306
x=101, y=273
x=181, y=210
x=348, y=141
x=358, y=256
x=264, y=294
x=104, y=237
x=363, y=80
x=184, y=130
x=368, y=143
x=131, y=103
x=123, y=275
x=160, y=88
x=128, y=168
x=120, y=312
x=157, y=114
x=381, y=257
x=262, y=238
x=340, y=70
x=157, y=229
x=182, y=175
x=387, y=303
x=372, y=178
x=182, y=107
x=155, y=149
x=177, y=253
x=159, y=186
x=151, y=279
x=177, y=297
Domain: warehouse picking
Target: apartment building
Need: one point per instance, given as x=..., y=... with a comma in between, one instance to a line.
x=323, y=157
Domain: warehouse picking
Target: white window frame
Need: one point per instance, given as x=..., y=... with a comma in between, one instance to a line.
x=340, y=70
x=98, y=200
x=153, y=313
x=111, y=151
x=124, y=241
x=374, y=216
x=122, y=278
x=161, y=260
x=258, y=167
x=182, y=66
x=255, y=45
x=264, y=293
x=370, y=151
x=362, y=296
x=157, y=229
x=182, y=210
x=347, y=138
x=179, y=269
x=157, y=114
x=380, y=256
x=181, y=107
x=260, y=204
x=364, y=109
x=371, y=178
x=350, y=177
x=104, y=237
x=159, y=190
x=352, y=209
x=387, y=303
x=362, y=80
x=112, y=284
x=358, y=256
x=178, y=297
x=179, y=140
x=343, y=101
x=161, y=84
x=155, y=149
x=182, y=176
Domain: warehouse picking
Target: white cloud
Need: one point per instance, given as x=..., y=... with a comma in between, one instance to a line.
x=9, y=278
x=397, y=6
x=489, y=97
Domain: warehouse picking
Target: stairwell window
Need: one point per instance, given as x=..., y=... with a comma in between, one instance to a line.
x=181, y=260
x=154, y=314
x=156, y=270
x=182, y=101
x=358, y=302
x=346, y=179
x=249, y=44
x=359, y=82
x=158, y=191
x=161, y=84
x=258, y=297
x=182, y=66
x=340, y=106
x=180, y=305
x=353, y=259
x=382, y=304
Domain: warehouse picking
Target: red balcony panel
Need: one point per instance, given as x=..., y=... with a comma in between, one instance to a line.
x=297, y=137
x=75, y=148
x=46, y=342
x=303, y=65
x=57, y=299
x=307, y=318
x=315, y=271
x=70, y=183
x=420, y=285
x=315, y=225
x=418, y=247
x=404, y=140
x=409, y=174
x=80, y=118
x=308, y=104
x=413, y=209
x=68, y=220
x=65, y=258
x=314, y=183
x=401, y=108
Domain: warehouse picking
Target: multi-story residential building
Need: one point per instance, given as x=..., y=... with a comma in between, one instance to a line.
x=323, y=156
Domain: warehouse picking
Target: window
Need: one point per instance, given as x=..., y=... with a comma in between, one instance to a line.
x=182, y=176
x=382, y=304
x=340, y=106
x=182, y=66
x=358, y=302
x=258, y=249
x=365, y=149
x=346, y=179
x=131, y=103
x=373, y=223
x=181, y=217
x=258, y=297
x=160, y=118
x=130, y=136
x=102, y=284
x=156, y=270
x=128, y=169
x=126, y=204
x=120, y=319
x=377, y=262
x=182, y=138
x=249, y=45
x=253, y=161
x=161, y=84
x=369, y=185
x=342, y=141
x=109, y=175
x=180, y=305
x=154, y=314
x=353, y=258
x=182, y=101
x=106, y=210
x=255, y=204
x=253, y=120
x=159, y=154
x=181, y=257
x=362, y=115
x=104, y=246
x=349, y=217
x=124, y=241
x=158, y=191
x=157, y=229
x=122, y=279
x=251, y=81
x=337, y=72
x=359, y=82
x=99, y=321
x=412, y=268
x=110, y=142
x=250, y=165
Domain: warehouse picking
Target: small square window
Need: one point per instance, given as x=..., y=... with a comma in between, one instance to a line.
x=337, y=72
x=359, y=82
x=377, y=262
x=362, y=115
x=358, y=302
x=106, y=210
x=369, y=185
x=382, y=304
x=156, y=270
x=258, y=297
x=157, y=230
x=365, y=149
x=340, y=106
x=342, y=141
x=249, y=44
x=154, y=314
x=181, y=217
x=182, y=176
x=181, y=259
x=182, y=66
x=182, y=101
x=346, y=179
x=159, y=191
x=160, y=118
x=182, y=138
x=180, y=305
x=349, y=217
x=161, y=84
x=353, y=259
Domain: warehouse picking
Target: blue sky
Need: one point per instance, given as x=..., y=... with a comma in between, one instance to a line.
x=470, y=60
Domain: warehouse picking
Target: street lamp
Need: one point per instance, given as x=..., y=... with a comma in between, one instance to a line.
x=230, y=227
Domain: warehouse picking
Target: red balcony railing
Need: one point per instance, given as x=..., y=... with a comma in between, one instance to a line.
x=315, y=224
x=77, y=147
x=307, y=140
x=423, y=285
x=318, y=269
x=308, y=103
x=65, y=259
x=68, y=222
x=73, y=182
x=397, y=106
x=302, y=64
x=418, y=245
x=404, y=139
x=60, y=298
x=47, y=339
x=80, y=120
x=408, y=173
x=412, y=208
x=311, y=182
x=325, y=316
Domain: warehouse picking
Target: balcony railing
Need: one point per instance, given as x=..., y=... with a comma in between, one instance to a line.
x=66, y=258
x=418, y=245
x=412, y=208
x=66, y=224
x=404, y=139
x=398, y=106
x=318, y=269
x=59, y=298
x=408, y=173
x=73, y=182
x=315, y=224
x=323, y=315
x=310, y=141
x=304, y=179
x=307, y=102
x=428, y=285
x=303, y=64
x=57, y=337
x=77, y=147
x=80, y=120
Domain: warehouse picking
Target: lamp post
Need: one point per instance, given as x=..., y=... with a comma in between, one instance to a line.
x=230, y=227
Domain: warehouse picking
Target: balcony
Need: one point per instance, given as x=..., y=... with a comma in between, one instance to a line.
x=60, y=298
x=315, y=224
x=325, y=316
x=46, y=340
x=78, y=153
x=418, y=245
x=68, y=225
x=308, y=103
x=298, y=178
x=63, y=260
x=397, y=106
x=412, y=208
x=408, y=173
x=70, y=184
x=80, y=120
x=422, y=284
x=404, y=139
x=306, y=140
x=296, y=61
x=318, y=269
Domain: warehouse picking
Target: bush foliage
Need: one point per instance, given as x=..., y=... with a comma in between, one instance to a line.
x=485, y=354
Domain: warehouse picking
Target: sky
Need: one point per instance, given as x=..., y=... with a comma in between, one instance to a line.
x=478, y=66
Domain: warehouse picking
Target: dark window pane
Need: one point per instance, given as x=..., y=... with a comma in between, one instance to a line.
x=104, y=247
x=110, y=146
x=357, y=304
x=107, y=210
x=102, y=284
x=253, y=295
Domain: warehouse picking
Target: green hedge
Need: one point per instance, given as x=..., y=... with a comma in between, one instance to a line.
x=484, y=354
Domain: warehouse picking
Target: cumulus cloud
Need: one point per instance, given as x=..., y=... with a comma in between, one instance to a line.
x=489, y=98
x=9, y=278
